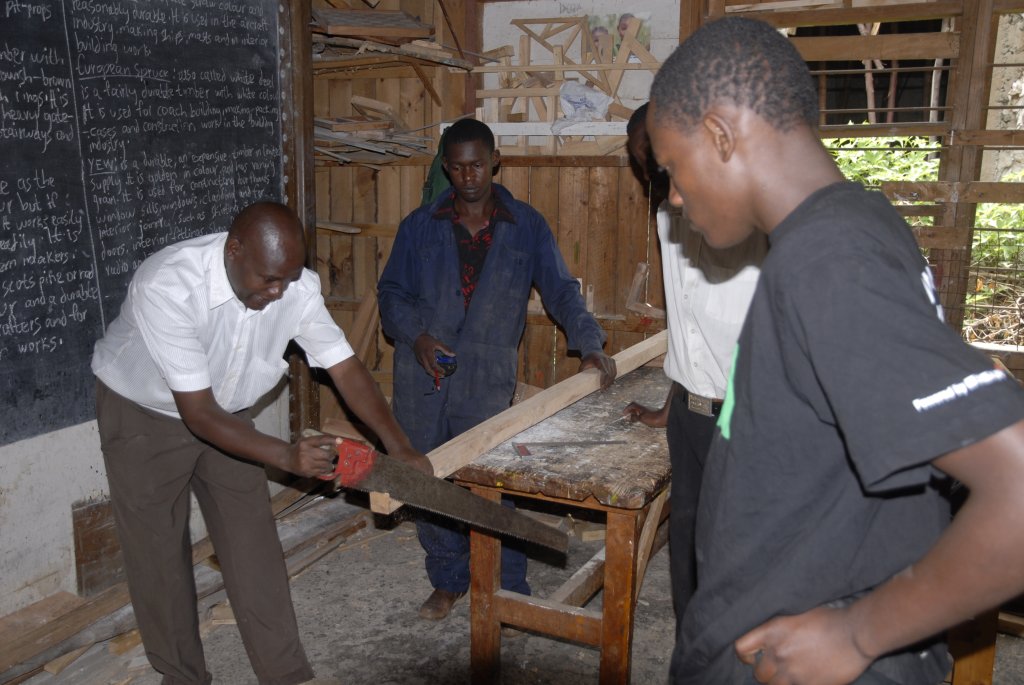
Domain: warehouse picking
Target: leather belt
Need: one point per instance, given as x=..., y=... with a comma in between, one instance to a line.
x=698, y=404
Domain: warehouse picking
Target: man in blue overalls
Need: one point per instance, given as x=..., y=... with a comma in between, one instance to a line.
x=457, y=284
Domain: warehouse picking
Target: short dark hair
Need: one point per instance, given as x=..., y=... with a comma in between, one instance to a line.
x=742, y=61
x=637, y=118
x=467, y=131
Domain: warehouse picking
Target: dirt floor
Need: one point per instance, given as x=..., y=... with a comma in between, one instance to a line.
x=357, y=609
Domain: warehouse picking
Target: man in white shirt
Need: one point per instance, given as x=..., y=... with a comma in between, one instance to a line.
x=199, y=339
x=707, y=293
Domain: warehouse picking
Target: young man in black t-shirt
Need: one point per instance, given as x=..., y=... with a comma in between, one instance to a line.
x=823, y=546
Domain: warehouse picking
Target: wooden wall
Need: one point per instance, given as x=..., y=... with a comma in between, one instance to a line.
x=595, y=206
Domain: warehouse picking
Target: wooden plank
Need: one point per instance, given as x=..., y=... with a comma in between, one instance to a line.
x=355, y=73
x=617, y=601
x=602, y=247
x=1011, y=624
x=571, y=230
x=883, y=130
x=973, y=648
x=98, y=560
x=557, y=68
x=538, y=353
x=364, y=326
x=517, y=181
x=353, y=123
x=952, y=192
x=549, y=617
x=635, y=217
x=1014, y=138
x=55, y=666
x=37, y=614
x=484, y=582
x=969, y=86
x=28, y=642
x=657, y=513
x=560, y=161
x=382, y=23
x=901, y=46
x=942, y=237
x=862, y=14
x=543, y=193
x=583, y=584
x=35, y=641
x=565, y=366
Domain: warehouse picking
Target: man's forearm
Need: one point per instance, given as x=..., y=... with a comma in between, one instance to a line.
x=236, y=436
x=976, y=564
x=363, y=396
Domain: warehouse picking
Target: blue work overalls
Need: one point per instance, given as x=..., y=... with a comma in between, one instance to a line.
x=419, y=292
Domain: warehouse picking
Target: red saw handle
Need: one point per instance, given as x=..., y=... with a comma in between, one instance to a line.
x=354, y=461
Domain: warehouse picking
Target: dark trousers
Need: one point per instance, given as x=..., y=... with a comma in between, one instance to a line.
x=446, y=542
x=689, y=437
x=153, y=462
x=447, y=561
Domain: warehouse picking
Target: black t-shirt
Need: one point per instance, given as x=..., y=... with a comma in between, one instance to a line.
x=846, y=385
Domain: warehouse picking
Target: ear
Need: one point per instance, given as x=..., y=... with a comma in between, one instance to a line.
x=495, y=159
x=232, y=248
x=722, y=134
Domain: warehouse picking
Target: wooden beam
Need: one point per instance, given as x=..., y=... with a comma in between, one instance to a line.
x=933, y=9
x=583, y=584
x=1013, y=138
x=462, y=449
x=300, y=188
x=364, y=326
x=883, y=130
x=890, y=46
x=952, y=192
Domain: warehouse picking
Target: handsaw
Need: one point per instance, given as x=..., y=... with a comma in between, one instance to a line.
x=361, y=467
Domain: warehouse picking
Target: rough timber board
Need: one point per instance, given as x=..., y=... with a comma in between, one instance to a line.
x=394, y=24
x=36, y=615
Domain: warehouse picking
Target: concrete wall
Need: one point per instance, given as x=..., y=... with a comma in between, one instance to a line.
x=41, y=478
x=1007, y=90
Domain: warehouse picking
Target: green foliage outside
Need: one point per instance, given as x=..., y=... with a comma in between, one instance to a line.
x=871, y=161
x=997, y=255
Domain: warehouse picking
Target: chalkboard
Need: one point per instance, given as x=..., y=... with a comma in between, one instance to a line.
x=124, y=127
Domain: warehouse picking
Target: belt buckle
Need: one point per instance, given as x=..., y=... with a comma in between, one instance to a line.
x=699, y=405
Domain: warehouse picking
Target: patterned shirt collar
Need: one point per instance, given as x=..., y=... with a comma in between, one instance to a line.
x=446, y=210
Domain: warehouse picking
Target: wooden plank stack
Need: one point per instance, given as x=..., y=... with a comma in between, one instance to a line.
x=373, y=136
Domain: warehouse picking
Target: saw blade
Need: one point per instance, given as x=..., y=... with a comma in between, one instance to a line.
x=378, y=472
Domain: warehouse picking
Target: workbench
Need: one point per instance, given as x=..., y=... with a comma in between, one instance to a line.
x=627, y=482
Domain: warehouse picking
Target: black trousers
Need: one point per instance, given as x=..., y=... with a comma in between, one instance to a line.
x=153, y=462
x=689, y=437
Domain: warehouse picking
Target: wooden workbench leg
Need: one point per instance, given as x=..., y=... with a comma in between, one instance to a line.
x=619, y=582
x=973, y=646
x=484, y=581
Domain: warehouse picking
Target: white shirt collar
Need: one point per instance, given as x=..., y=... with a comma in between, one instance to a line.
x=220, y=287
